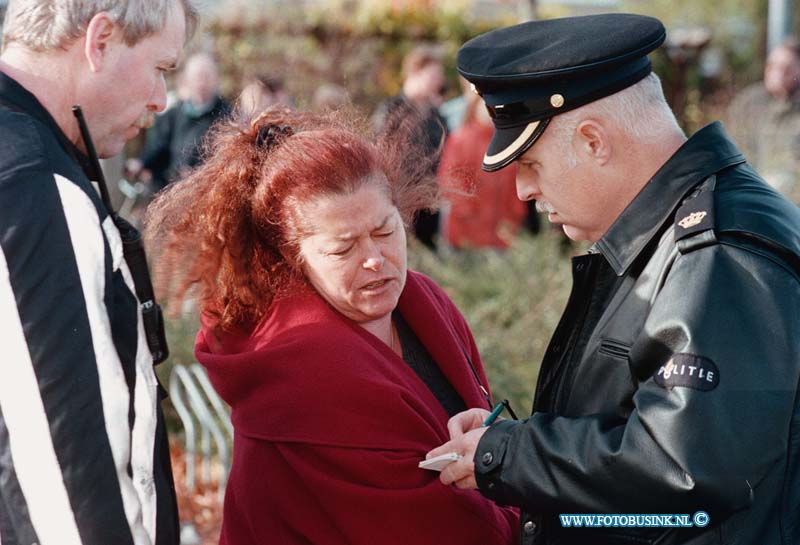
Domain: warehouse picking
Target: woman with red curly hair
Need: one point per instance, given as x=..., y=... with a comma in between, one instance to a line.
x=341, y=366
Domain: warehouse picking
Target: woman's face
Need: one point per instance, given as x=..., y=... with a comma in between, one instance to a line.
x=355, y=254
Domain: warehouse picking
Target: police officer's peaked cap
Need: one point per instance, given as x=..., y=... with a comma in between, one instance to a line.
x=530, y=72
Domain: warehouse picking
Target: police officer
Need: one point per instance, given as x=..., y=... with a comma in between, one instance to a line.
x=671, y=383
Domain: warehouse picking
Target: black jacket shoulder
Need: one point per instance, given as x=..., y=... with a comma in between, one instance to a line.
x=22, y=144
x=750, y=213
x=30, y=149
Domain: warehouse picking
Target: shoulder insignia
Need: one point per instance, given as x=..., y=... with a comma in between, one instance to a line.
x=696, y=215
x=689, y=371
x=693, y=219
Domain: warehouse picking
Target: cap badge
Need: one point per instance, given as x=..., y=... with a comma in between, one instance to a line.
x=557, y=101
x=692, y=219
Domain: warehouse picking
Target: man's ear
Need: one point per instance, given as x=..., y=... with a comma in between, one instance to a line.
x=593, y=140
x=99, y=34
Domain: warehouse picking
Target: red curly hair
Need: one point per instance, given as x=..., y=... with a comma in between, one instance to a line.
x=232, y=230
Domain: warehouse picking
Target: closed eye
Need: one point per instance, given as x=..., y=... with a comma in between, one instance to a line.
x=386, y=234
x=341, y=252
x=165, y=68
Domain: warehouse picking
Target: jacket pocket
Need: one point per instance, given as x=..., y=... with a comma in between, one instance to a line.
x=614, y=348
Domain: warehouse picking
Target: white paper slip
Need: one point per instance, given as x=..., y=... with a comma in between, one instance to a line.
x=440, y=462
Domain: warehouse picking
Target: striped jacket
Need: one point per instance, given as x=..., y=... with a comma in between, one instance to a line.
x=83, y=452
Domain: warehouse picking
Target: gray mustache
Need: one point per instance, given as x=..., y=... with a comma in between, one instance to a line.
x=543, y=206
x=146, y=120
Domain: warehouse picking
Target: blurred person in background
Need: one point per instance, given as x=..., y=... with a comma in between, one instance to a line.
x=764, y=120
x=340, y=365
x=418, y=102
x=83, y=448
x=173, y=146
x=454, y=110
x=484, y=211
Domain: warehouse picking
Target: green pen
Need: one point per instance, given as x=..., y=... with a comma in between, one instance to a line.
x=494, y=414
x=497, y=410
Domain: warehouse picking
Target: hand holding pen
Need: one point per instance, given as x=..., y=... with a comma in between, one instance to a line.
x=497, y=410
x=454, y=458
x=476, y=418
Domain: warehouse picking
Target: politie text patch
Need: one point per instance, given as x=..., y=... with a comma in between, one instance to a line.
x=689, y=371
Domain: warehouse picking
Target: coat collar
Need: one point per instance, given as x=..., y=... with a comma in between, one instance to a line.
x=708, y=151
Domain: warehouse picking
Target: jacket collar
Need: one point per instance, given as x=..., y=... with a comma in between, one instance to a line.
x=15, y=96
x=708, y=151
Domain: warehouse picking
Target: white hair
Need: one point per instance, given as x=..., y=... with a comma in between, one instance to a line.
x=640, y=110
x=44, y=25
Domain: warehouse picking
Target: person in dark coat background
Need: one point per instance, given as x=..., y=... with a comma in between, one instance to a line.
x=173, y=144
x=418, y=103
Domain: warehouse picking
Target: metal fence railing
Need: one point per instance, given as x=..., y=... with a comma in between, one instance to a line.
x=205, y=420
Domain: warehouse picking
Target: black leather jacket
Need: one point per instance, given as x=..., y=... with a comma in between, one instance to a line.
x=671, y=382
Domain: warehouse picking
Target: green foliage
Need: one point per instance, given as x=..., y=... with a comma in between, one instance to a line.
x=359, y=45
x=738, y=29
x=512, y=301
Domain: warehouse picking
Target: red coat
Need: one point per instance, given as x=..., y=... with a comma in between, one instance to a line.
x=330, y=425
x=484, y=208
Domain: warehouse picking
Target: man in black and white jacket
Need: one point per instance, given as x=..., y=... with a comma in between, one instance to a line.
x=83, y=452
